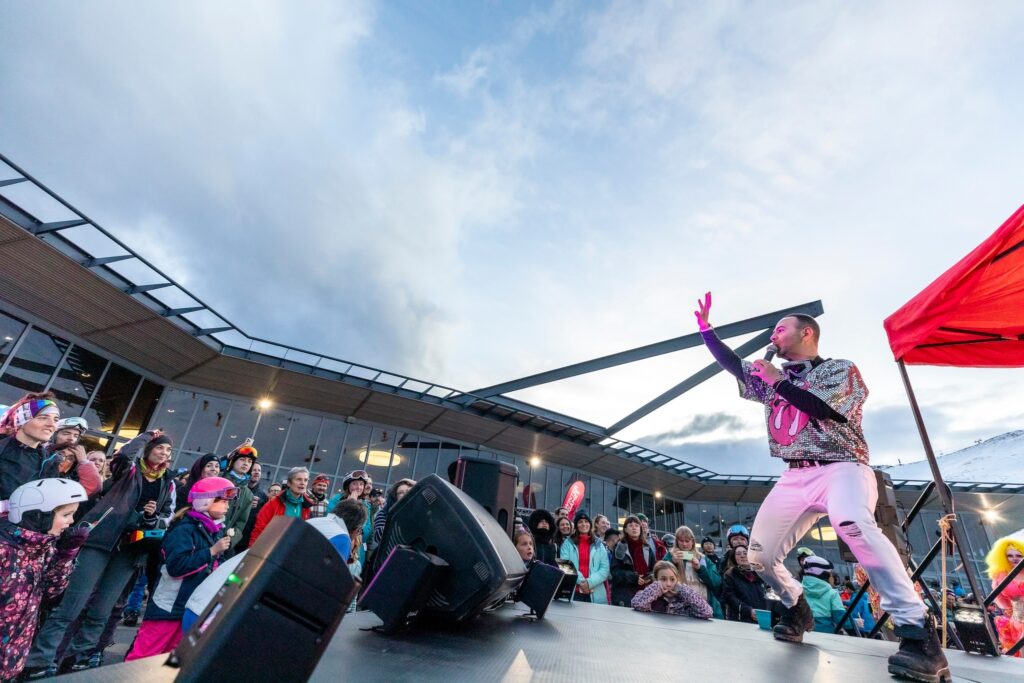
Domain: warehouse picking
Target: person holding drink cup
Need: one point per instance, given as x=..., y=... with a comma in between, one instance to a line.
x=695, y=570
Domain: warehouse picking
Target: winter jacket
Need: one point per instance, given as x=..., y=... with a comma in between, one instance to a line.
x=709, y=577
x=238, y=511
x=260, y=495
x=825, y=603
x=742, y=591
x=187, y=563
x=274, y=508
x=624, y=578
x=544, y=546
x=685, y=603
x=123, y=492
x=20, y=464
x=33, y=568
x=598, y=568
x=863, y=611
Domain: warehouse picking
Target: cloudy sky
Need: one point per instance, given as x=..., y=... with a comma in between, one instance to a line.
x=472, y=192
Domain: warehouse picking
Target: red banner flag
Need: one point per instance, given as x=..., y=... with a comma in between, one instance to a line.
x=573, y=498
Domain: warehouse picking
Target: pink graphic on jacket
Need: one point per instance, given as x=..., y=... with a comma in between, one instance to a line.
x=786, y=422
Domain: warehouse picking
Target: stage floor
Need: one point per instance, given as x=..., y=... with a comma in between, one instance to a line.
x=583, y=642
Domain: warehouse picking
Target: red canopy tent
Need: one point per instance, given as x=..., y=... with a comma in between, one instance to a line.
x=971, y=316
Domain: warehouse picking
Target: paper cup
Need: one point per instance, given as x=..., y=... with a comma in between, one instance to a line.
x=764, y=619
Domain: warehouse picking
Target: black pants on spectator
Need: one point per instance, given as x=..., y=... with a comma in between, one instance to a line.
x=107, y=573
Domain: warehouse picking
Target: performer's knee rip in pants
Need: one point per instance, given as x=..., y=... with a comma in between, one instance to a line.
x=755, y=547
x=850, y=529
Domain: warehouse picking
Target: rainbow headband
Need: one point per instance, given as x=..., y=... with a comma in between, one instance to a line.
x=30, y=409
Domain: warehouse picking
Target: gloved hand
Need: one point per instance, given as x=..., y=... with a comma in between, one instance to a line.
x=73, y=539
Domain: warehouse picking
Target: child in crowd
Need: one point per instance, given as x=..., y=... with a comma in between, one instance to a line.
x=668, y=595
x=523, y=540
x=354, y=514
x=36, y=559
x=192, y=549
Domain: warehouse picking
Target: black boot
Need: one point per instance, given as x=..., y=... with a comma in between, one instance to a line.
x=920, y=657
x=794, y=622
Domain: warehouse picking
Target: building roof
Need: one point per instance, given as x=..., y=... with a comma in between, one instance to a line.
x=163, y=329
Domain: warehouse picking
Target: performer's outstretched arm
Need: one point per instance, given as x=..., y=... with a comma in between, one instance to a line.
x=725, y=356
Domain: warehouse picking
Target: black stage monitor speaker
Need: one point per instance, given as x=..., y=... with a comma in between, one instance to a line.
x=491, y=483
x=275, y=614
x=437, y=518
x=887, y=518
x=403, y=585
x=568, y=580
x=539, y=587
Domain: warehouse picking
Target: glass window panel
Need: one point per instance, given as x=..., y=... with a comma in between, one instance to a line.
x=10, y=330
x=449, y=454
x=270, y=435
x=76, y=380
x=112, y=398
x=328, y=447
x=356, y=442
x=92, y=442
x=241, y=423
x=32, y=365
x=403, y=464
x=175, y=414
x=378, y=459
x=207, y=424
x=426, y=459
x=142, y=409
x=535, y=487
x=300, y=450
x=553, y=495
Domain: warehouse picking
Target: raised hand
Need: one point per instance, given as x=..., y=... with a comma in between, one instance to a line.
x=703, y=312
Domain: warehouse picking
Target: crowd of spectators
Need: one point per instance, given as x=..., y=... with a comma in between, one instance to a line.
x=85, y=542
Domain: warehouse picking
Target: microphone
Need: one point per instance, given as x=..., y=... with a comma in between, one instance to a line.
x=770, y=352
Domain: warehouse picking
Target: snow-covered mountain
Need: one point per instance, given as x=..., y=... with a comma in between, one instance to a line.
x=999, y=459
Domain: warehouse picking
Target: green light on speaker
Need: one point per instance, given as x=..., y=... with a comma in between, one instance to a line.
x=234, y=578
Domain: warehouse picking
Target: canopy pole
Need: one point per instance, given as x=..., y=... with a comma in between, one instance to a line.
x=946, y=498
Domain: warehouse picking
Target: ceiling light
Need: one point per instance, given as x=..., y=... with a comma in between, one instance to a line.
x=535, y=461
x=264, y=404
x=990, y=515
x=170, y=410
x=381, y=458
x=657, y=494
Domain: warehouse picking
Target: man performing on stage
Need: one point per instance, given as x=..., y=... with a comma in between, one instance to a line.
x=813, y=409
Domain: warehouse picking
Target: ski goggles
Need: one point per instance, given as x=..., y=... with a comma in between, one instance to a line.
x=226, y=494
x=73, y=423
x=358, y=474
x=247, y=452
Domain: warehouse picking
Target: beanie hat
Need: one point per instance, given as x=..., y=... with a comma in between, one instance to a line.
x=581, y=515
x=817, y=566
x=642, y=517
x=707, y=539
x=161, y=440
x=205, y=491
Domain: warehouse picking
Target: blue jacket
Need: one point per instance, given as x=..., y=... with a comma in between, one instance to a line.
x=825, y=603
x=187, y=563
x=600, y=568
x=862, y=610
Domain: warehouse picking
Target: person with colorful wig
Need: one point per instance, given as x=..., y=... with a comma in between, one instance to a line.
x=24, y=428
x=191, y=550
x=1006, y=554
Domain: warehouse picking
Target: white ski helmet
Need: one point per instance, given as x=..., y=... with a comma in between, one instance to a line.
x=78, y=423
x=32, y=504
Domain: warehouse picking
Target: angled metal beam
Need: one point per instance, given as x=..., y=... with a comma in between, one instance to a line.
x=758, y=342
x=138, y=289
x=761, y=322
x=12, y=181
x=44, y=228
x=104, y=260
x=206, y=331
x=169, y=312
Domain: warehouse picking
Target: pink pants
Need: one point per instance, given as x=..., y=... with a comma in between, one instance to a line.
x=155, y=637
x=847, y=493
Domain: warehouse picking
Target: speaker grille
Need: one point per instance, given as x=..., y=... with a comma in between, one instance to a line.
x=481, y=571
x=429, y=496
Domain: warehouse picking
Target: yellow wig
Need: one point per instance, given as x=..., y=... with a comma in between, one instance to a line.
x=996, y=558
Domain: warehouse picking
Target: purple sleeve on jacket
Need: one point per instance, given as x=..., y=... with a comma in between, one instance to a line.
x=643, y=600
x=688, y=603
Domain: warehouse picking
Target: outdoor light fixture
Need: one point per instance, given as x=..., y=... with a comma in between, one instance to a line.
x=657, y=494
x=970, y=626
x=535, y=461
x=990, y=515
x=825, y=533
x=380, y=458
x=264, y=404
